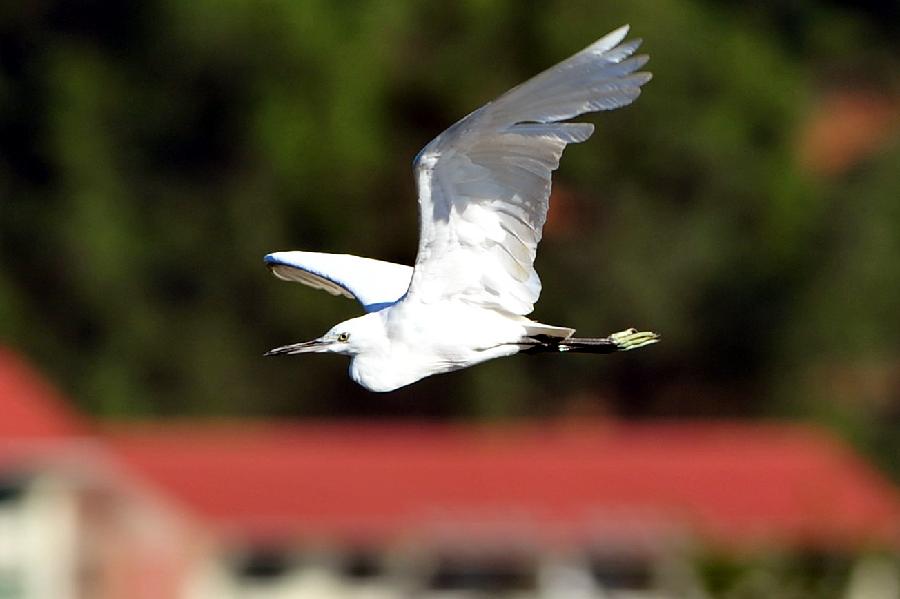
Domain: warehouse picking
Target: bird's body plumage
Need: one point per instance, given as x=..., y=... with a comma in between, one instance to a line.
x=484, y=189
x=429, y=339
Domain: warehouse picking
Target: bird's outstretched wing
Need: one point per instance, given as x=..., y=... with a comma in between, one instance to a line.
x=484, y=184
x=374, y=283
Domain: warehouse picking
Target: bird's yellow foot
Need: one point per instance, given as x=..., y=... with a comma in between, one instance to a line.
x=632, y=339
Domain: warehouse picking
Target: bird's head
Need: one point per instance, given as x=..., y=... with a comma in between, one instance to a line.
x=349, y=338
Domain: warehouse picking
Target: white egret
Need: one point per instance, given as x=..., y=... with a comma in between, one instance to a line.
x=484, y=189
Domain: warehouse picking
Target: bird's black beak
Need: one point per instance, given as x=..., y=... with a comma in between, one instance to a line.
x=306, y=347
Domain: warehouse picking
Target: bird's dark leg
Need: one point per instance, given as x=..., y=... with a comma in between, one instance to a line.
x=621, y=341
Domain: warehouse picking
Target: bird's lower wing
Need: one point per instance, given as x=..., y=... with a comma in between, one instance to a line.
x=484, y=184
x=374, y=283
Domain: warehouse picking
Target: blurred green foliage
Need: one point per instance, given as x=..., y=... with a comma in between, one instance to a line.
x=776, y=575
x=152, y=152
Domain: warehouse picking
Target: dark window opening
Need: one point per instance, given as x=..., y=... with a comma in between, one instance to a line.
x=12, y=488
x=362, y=565
x=622, y=573
x=485, y=575
x=263, y=564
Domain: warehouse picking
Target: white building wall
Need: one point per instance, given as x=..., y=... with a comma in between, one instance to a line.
x=38, y=542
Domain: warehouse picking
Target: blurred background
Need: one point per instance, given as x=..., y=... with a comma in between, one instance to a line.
x=747, y=207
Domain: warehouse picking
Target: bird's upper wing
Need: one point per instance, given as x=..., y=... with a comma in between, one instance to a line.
x=484, y=184
x=374, y=283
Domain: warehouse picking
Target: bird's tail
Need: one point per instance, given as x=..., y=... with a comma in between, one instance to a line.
x=622, y=341
x=548, y=331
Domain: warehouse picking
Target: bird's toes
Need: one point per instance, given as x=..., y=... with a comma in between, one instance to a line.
x=632, y=339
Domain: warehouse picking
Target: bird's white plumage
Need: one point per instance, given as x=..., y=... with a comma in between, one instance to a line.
x=484, y=190
x=376, y=284
x=484, y=184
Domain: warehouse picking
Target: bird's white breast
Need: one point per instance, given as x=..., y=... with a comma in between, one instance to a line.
x=430, y=339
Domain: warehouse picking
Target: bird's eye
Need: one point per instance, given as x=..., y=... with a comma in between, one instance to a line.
x=343, y=337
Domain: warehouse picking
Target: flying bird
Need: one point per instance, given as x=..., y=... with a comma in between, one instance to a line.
x=484, y=191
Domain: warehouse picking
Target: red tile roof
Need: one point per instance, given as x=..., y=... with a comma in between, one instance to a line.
x=740, y=483
x=29, y=406
x=729, y=482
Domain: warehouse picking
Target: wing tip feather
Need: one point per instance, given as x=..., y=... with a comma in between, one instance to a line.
x=273, y=259
x=609, y=41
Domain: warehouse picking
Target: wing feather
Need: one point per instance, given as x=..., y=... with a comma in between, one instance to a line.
x=374, y=283
x=484, y=184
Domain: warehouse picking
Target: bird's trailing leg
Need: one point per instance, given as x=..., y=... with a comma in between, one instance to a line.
x=622, y=341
